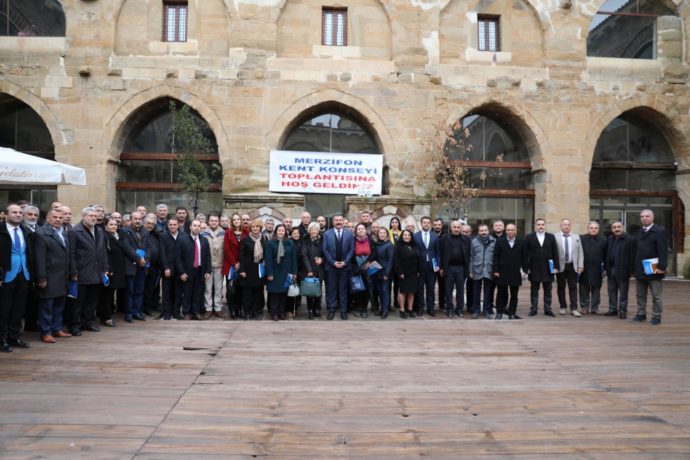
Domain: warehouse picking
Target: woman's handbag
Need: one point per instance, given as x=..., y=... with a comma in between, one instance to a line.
x=310, y=287
x=293, y=290
x=357, y=284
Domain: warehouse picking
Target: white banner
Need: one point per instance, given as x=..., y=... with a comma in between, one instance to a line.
x=317, y=172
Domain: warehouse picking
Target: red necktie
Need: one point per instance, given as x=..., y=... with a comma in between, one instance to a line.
x=196, y=253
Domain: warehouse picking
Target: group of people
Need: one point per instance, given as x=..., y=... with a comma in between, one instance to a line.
x=63, y=278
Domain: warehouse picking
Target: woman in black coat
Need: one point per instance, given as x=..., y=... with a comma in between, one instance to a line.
x=312, y=264
x=406, y=270
x=251, y=257
x=119, y=255
x=293, y=303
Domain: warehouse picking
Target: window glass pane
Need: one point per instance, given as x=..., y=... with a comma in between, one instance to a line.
x=500, y=178
x=331, y=132
x=488, y=141
x=634, y=180
x=518, y=211
x=623, y=35
x=328, y=29
x=631, y=138
x=340, y=40
x=182, y=25
x=22, y=129
x=482, y=35
x=170, y=23
x=32, y=18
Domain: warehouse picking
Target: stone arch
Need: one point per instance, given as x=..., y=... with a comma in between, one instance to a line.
x=280, y=7
x=142, y=36
x=113, y=135
x=43, y=110
x=671, y=128
x=286, y=120
x=526, y=126
x=299, y=25
x=456, y=30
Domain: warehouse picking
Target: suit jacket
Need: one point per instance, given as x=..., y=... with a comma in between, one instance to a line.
x=538, y=257
x=185, y=255
x=51, y=262
x=594, y=249
x=6, y=249
x=120, y=255
x=620, y=257
x=130, y=240
x=577, y=256
x=88, y=256
x=460, y=245
x=329, y=248
x=649, y=245
x=168, y=257
x=508, y=261
x=431, y=251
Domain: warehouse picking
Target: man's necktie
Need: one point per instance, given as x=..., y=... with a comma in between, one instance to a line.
x=196, y=253
x=17, y=241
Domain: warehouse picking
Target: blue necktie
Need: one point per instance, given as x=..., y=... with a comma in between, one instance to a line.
x=17, y=242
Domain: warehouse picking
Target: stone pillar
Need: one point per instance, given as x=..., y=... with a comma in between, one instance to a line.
x=670, y=49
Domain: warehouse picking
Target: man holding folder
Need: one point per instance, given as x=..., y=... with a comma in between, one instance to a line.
x=650, y=267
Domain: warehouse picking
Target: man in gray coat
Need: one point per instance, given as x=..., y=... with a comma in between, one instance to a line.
x=51, y=268
x=481, y=270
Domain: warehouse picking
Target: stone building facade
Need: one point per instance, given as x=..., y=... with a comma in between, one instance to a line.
x=255, y=70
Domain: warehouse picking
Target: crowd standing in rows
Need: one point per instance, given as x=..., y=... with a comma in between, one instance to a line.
x=62, y=278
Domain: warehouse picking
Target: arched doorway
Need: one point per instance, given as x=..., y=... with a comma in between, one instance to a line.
x=496, y=156
x=22, y=129
x=149, y=171
x=334, y=128
x=634, y=169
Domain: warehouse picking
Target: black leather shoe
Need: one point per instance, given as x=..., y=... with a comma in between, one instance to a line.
x=431, y=313
x=75, y=332
x=489, y=316
x=139, y=317
x=378, y=313
x=419, y=314
x=343, y=316
x=515, y=317
x=91, y=327
x=639, y=318
x=330, y=316
x=655, y=321
x=384, y=315
x=549, y=313
x=5, y=347
x=403, y=315
x=18, y=343
x=128, y=319
x=622, y=314
x=499, y=315
x=311, y=315
x=532, y=312
x=475, y=315
x=364, y=315
x=611, y=313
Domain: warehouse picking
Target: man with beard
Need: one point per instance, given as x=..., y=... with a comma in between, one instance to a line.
x=620, y=262
x=542, y=253
x=591, y=278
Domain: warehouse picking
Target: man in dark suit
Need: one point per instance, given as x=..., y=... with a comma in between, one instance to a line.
x=427, y=245
x=153, y=272
x=30, y=224
x=541, y=249
x=194, y=268
x=338, y=249
x=510, y=257
x=594, y=250
x=15, y=269
x=136, y=238
x=455, y=262
x=650, y=244
x=439, y=229
x=51, y=269
x=620, y=262
x=171, y=283
x=88, y=263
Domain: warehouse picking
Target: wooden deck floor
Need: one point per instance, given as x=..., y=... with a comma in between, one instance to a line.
x=540, y=388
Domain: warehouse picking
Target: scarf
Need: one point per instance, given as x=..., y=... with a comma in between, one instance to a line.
x=258, y=249
x=281, y=251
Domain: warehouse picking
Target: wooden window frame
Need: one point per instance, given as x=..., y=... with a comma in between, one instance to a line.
x=487, y=19
x=177, y=5
x=335, y=12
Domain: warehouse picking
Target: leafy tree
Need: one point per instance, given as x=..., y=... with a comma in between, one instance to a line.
x=189, y=142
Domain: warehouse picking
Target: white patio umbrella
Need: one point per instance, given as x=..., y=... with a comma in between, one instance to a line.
x=21, y=168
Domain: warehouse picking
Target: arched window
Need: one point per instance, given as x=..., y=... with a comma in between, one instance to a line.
x=149, y=172
x=330, y=128
x=32, y=18
x=626, y=29
x=22, y=129
x=634, y=169
x=496, y=158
